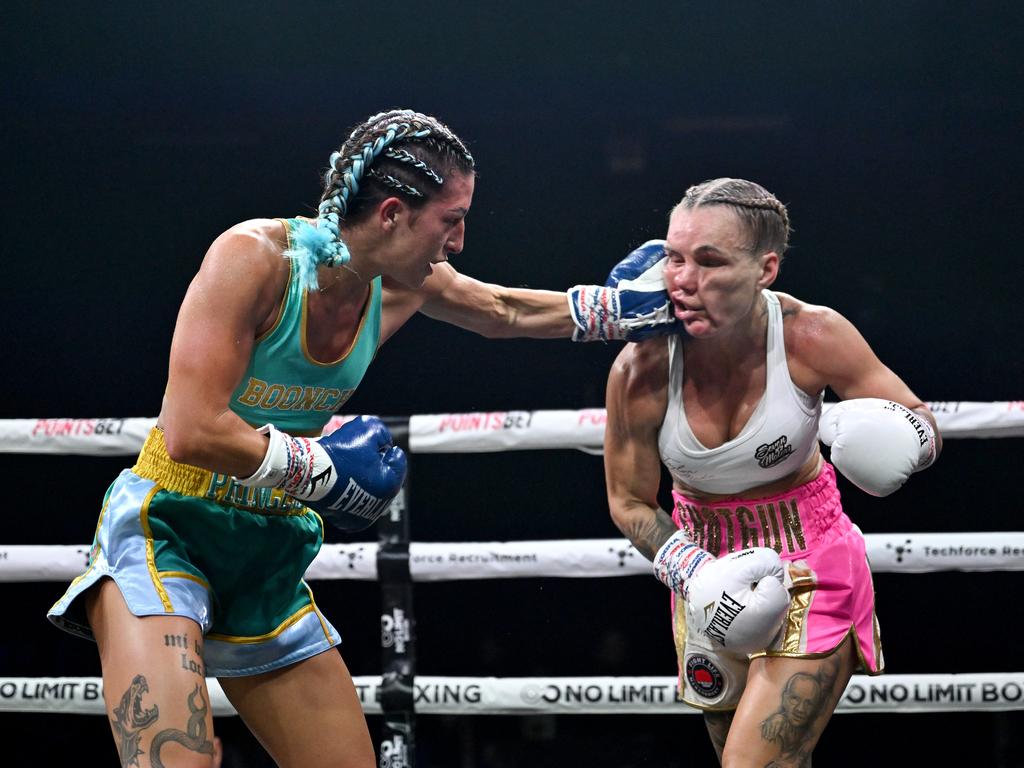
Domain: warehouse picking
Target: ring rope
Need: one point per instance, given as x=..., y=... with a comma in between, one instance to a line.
x=483, y=432
x=562, y=558
x=900, y=694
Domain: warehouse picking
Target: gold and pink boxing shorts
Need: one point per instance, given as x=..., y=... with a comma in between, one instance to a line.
x=832, y=593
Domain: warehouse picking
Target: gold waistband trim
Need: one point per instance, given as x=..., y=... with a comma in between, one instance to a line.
x=155, y=464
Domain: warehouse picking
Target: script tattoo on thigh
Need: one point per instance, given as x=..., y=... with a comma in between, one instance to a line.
x=176, y=641
x=130, y=719
x=194, y=738
x=795, y=725
x=189, y=664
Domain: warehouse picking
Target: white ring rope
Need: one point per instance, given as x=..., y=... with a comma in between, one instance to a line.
x=901, y=694
x=486, y=432
x=567, y=558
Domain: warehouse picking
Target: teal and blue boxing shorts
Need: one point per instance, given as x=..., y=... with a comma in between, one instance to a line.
x=182, y=541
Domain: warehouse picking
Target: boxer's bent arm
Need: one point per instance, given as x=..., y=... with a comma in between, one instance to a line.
x=239, y=283
x=495, y=311
x=631, y=460
x=832, y=352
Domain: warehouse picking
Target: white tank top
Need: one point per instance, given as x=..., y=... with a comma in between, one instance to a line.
x=777, y=440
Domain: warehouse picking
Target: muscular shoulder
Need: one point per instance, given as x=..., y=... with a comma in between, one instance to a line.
x=638, y=382
x=254, y=242
x=811, y=329
x=247, y=260
x=643, y=367
x=814, y=335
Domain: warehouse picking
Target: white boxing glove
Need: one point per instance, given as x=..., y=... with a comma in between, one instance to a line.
x=737, y=601
x=877, y=444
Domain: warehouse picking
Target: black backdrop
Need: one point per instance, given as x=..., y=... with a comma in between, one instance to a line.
x=135, y=133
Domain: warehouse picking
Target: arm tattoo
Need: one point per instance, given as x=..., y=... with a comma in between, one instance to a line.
x=649, y=534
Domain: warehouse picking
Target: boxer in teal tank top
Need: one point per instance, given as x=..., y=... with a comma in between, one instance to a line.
x=230, y=556
x=284, y=385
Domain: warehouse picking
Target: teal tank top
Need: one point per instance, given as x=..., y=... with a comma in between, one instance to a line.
x=284, y=385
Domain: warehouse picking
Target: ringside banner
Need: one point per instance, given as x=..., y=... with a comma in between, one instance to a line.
x=92, y=437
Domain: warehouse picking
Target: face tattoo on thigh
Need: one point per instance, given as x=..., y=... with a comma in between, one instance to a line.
x=803, y=700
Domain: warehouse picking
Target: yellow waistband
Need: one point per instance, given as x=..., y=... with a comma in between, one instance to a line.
x=155, y=464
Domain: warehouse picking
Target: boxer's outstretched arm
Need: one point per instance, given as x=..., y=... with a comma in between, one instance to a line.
x=632, y=306
x=496, y=311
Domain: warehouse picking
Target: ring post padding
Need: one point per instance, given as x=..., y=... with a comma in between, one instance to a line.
x=397, y=633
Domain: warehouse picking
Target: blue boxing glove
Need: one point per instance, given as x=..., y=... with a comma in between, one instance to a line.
x=632, y=305
x=349, y=476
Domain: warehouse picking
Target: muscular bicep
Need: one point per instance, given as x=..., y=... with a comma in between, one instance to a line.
x=210, y=350
x=631, y=458
x=213, y=339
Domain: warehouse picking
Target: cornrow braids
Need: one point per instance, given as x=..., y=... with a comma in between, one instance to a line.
x=385, y=154
x=404, y=157
x=764, y=215
x=394, y=183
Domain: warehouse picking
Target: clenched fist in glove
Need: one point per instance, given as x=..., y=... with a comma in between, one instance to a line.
x=632, y=305
x=737, y=601
x=349, y=476
x=877, y=444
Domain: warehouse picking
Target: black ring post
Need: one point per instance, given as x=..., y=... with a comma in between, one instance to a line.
x=397, y=624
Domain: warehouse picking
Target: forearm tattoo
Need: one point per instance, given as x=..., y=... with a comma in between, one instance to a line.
x=649, y=534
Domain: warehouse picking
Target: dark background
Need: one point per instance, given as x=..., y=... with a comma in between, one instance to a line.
x=134, y=133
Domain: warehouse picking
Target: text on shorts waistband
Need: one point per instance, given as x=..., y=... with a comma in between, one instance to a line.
x=154, y=463
x=788, y=523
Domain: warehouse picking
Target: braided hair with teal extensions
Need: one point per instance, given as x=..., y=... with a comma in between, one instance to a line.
x=399, y=152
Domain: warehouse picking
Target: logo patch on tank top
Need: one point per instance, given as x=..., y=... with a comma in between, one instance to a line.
x=703, y=676
x=770, y=454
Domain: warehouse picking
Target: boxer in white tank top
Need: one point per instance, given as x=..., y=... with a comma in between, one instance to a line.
x=779, y=437
x=772, y=593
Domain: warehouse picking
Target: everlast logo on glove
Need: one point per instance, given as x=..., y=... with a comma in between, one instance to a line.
x=357, y=501
x=726, y=612
x=322, y=479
